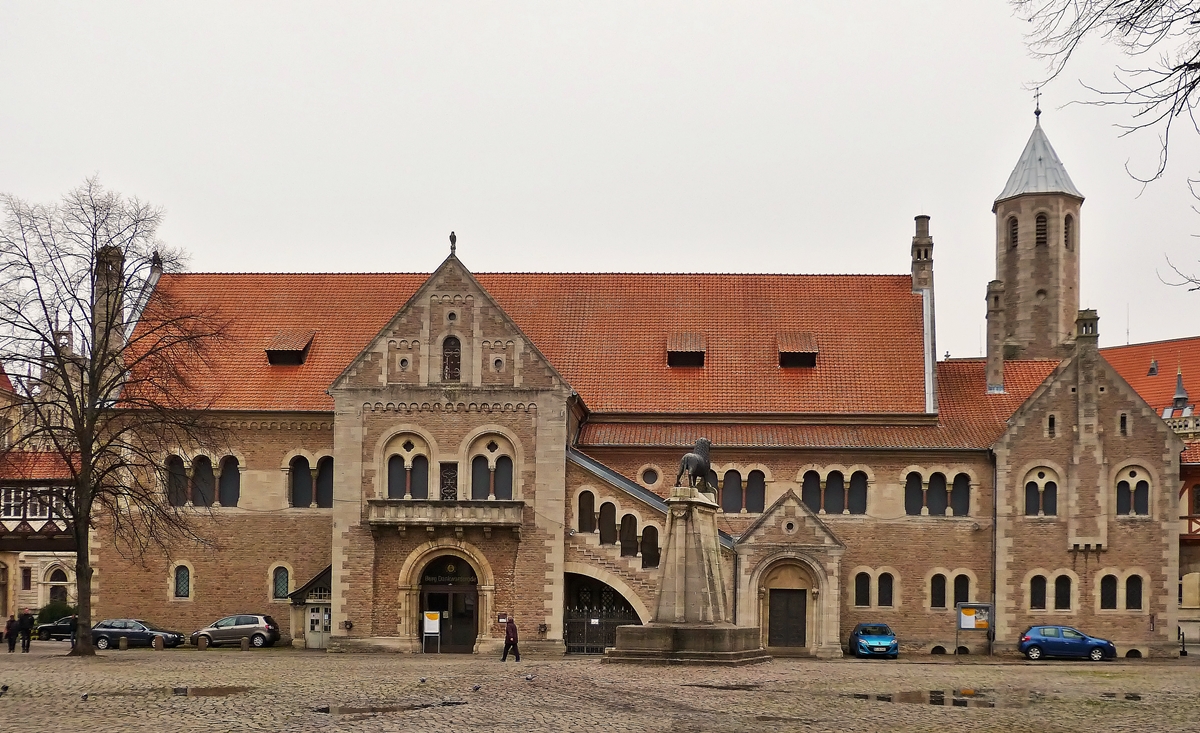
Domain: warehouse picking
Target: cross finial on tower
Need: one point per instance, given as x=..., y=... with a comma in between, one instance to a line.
x=453, y=241
x=1037, y=102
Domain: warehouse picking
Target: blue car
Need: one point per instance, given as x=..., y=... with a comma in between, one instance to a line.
x=874, y=640
x=1063, y=641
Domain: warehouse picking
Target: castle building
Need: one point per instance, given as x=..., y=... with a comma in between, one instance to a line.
x=492, y=445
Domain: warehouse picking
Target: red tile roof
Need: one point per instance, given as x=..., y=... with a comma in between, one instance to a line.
x=33, y=466
x=605, y=333
x=5, y=383
x=1191, y=453
x=796, y=342
x=1133, y=364
x=969, y=418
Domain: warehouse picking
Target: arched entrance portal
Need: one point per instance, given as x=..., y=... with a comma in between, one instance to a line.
x=593, y=612
x=449, y=585
x=787, y=606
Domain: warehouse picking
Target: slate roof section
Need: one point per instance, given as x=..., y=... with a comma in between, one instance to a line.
x=1132, y=362
x=605, y=333
x=969, y=419
x=1038, y=170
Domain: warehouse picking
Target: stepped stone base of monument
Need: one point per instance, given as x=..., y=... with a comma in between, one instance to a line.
x=707, y=644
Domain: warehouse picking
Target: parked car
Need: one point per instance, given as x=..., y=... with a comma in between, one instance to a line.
x=261, y=630
x=874, y=640
x=108, y=633
x=58, y=630
x=1064, y=641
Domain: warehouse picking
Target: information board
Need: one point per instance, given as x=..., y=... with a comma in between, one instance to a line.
x=433, y=623
x=974, y=617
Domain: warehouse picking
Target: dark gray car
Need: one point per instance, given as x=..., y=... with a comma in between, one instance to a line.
x=260, y=629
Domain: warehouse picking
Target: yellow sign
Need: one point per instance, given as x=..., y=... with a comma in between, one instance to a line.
x=433, y=622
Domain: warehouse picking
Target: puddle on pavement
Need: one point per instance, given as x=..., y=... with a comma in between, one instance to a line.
x=962, y=698
x=208, y=691
x=398, y=708
x=751, y=686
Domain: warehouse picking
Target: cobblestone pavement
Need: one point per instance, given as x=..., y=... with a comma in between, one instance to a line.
x=134, y=691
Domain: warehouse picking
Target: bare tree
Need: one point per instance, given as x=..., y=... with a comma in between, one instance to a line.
x=103, y=369
x=1164, y=34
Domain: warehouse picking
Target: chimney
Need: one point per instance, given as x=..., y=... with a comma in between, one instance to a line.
x=1180, y=400
x=995, y=337
x=108, y=299
x=922, y=256
x=1087, y=328
x=922, y=283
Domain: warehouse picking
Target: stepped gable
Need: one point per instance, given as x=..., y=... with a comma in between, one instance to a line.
x=1133, y=363
x=607, y=334
x=969, y=417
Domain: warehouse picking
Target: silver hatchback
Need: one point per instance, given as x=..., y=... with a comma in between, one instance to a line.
x=259, y=629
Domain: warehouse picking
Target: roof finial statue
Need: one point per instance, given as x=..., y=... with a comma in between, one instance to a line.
x=453, y=240
x=1037, y=103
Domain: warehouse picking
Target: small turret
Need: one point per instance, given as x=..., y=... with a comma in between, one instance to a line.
x=1180, y=400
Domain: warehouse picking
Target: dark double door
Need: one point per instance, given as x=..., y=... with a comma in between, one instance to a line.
x=787, y=617
x=459, y=606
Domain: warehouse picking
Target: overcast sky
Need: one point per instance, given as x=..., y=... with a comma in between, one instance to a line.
x=748, y=137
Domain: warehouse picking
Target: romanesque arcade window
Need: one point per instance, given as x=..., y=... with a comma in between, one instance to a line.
x=649, y=547
x=934, y=497
x=183, y=582
x=629, y=536
x=451, y=360
x=1062, y=593
x=756, y=492
x=177, y=488
x=1037, y=592
x=937, y=591
x=731, y=493
x=407, y=481
x=1133, y=492
x=1108, y=592
x=737, y=496
x=229, y=490
x=203, y=482
x=608, y=523
x=835, y=496
x=1041, y=493
x=397, y=478
x=279, y=584
x=325, y=483
x=300, y=482
x=586, y=519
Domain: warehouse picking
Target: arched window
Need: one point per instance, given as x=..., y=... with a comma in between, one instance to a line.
x=712, y=483
x=230, y=488
x=396, y=477
x=183, y=582
x=504, y=478
x=279, y=584
x=649, y=547
x=810, y=491
x=419, y=480
x=300, y=477
x=1041, y=493
x=731, y=493
x=962, y=589
x=1069, y=232
x=587, y=512
x=58, y=587
x=913, y=495
x=960, y=495
x=937, y=591
x=857, y=503
x=937, y=500
x=1141, y=498
x=1033, y=499
x=1037, y=592
x=1108, y=591
x=608, y=523
x=1124, y=498
x=325, y=483
x=177, y=488
x=481, y=478
x=1062, y=592
x=1040, y=230
x=1012, y=232
x=862, y=589
x=1050, y=499
x=629, y=536
x=885, y=589
x=756, y=492
x=451, y=360
x=835, y=493
x=1133, y=592
x=203, y=482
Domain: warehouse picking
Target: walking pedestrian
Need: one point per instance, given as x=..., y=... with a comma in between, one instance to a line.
x=74, y=629
x=25, y=627
x=510, y=640
x=10, y=633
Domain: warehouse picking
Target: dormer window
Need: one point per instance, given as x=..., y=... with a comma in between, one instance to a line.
x=797, y=349
x=685, y=349
x=289, y=348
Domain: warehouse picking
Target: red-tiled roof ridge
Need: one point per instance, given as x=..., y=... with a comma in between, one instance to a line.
x=31, y=465
x=563, y=273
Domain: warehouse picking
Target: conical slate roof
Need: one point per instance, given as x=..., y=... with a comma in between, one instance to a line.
x=1038, y=170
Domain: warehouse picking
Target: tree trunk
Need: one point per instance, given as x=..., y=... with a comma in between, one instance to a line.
x=83, y=593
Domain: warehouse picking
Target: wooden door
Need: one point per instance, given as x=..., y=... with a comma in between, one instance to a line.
x=787, y=617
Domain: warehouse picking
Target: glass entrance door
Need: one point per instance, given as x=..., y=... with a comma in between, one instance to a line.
x=318, y=625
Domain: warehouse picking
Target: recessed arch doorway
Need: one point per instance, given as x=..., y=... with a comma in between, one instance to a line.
x=787, y=606
x=450, y=586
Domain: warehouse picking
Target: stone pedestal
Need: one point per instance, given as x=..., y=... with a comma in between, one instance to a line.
x=691, y=614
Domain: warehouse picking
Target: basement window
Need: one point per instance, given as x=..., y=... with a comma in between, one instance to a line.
x=289, y=348
x=685, y=349
x=797, y=349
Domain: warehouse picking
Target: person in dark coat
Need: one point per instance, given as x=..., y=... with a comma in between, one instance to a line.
x=10, y=633
x=25, y=627
x=510, y=641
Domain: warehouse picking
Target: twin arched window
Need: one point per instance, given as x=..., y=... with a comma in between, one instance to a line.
x=307, y=490
x=1041, y=493
x=1038, y=587
x=489, y=481
x=884, y=589
x=202, y=487
x=1133, y=592
x=736, y=497
x=408, y=479
x=937, y=590
x=1133, y=492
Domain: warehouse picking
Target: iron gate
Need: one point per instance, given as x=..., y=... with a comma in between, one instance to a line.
x=591, y=630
